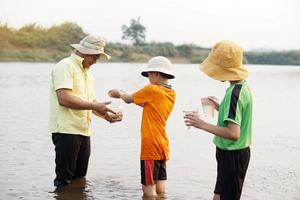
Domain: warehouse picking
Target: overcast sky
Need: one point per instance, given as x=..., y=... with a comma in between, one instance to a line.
x=253, y=24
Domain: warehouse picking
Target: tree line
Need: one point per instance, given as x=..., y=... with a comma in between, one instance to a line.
x=36, y=43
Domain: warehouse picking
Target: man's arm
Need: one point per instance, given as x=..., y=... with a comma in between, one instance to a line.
x=65, y=98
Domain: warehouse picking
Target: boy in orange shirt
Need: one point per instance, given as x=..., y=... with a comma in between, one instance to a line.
x=157, y=100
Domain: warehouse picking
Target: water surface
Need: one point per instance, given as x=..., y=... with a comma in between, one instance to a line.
x=27, y=152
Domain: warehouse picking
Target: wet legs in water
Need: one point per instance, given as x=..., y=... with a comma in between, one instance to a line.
x=216, y=197
x=156, y=191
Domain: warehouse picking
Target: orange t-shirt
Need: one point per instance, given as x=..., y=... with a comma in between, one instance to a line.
x=158, y=102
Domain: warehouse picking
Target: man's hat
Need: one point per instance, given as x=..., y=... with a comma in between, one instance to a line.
x=92, y=45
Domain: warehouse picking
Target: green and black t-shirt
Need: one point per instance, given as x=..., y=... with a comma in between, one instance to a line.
x=236, y=107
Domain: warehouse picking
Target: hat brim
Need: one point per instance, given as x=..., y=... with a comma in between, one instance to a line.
x=168, y=74
x=223, y=74
x=84, y=50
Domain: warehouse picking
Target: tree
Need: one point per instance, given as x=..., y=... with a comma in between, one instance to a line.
x=134, y=32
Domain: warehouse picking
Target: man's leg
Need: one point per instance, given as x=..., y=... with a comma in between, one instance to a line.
x=66, y=149
x=83, y=157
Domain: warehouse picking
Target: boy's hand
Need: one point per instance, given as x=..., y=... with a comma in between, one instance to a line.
x=120, y=94
x=114, y=93
x=215, y=101
x=192, y=119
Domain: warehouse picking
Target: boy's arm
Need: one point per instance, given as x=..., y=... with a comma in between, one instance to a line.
x=120, y=94
x=231, y=132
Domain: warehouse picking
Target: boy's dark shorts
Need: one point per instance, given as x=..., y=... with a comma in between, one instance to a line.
x=152, y=171
x=232, y=168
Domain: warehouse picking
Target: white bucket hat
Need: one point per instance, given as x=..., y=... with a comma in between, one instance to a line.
x=159, y=64
x=92, y=45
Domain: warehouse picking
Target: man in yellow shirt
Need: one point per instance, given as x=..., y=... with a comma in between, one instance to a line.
x=157, y=100
x=72, y=100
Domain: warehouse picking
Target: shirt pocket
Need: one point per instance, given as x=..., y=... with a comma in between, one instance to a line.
x=79, y=85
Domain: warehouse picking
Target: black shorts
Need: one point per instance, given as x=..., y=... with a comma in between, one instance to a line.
x=152, y=171
x=232, y=168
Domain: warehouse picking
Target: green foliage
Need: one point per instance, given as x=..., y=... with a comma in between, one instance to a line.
x=185, y=50
x=6, y=35
x=35, y=43
x=60, y=37
x=164, y=49
x=198, y=58
x=134, y=32
x=274, y=58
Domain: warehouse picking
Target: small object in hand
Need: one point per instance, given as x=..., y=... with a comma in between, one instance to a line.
x=114, y=93
x=208, y=107
x=118, y=116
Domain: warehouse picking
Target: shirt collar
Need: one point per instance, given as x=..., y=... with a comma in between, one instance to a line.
x=77, y=59
x=242, y=82
x=166, y=85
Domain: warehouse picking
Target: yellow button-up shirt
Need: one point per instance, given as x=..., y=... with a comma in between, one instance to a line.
x=70, y=74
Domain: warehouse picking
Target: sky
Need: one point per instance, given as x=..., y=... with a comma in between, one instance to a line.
x=254, y=24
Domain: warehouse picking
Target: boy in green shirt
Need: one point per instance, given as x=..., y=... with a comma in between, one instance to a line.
x=233, y=131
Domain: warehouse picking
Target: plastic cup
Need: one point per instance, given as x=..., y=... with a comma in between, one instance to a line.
x=208, y=107
x=190, y=112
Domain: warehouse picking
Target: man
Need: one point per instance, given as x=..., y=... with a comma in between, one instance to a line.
x=72, y=100
x=233, y=133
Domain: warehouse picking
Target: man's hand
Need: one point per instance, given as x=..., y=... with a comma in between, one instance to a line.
x=101, y=108
x=112, y=118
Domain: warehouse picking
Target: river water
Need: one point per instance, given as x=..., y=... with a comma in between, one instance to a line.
x=27, y=152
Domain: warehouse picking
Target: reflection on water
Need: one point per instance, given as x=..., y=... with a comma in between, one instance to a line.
x=77, y=190
x=27, y=152
x=82, y=189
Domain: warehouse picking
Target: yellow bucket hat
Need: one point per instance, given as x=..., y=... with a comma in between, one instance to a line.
x=225, y=62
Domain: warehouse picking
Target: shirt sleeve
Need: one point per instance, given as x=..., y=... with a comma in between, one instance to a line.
x=233, y=108
x=62, y=76
x=143, y=96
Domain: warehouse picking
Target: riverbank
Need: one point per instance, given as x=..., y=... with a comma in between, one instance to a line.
x=33, y=43
x=131, y=54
